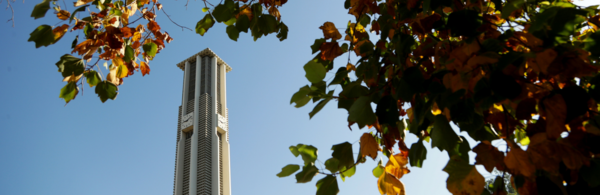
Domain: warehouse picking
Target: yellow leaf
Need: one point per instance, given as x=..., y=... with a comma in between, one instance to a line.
x=389, y=182
x=136, y=36
x=397, y=165
x=350, y=67
x=122, y=71
x=389, y=185
x=329, y=31
x=81, y=2
x=60, y=31
x=369, y=146
x=72, y=78
x=435, y=110
x=63, y=14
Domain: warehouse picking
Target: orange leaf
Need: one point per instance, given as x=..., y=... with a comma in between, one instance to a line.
x=145, y=68
x=329, y=31
x=368, y=146
x=330, y=51
x=518, y=161
x=153, y=26
x=126, y=32
x=555, y=110
x=489, y=156
x=63, y=14
x=60, y=31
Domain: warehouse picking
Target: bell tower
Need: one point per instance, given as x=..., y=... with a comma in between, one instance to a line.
x=202, y=157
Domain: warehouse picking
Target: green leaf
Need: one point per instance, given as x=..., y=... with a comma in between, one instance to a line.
x=130, y=54
x=150, y=49
x=233, y=32
x=82, y=8
x=69, y=91
x=341, y=77
x=74, y=42
x=308, y=172
x=294, y=151
x=317, y=45
x=288, y=170
x=442, y=135
x=461, y=150
x=591, y=174
x=417, y=154
x=387, y=111
x=39, y=11
x=378, y=170
x=592, y=44
x=88, y=29
x=92, y=78
x=327, y=186
x=321, y=104
x=106, y=90
x=42, y=36
x=315, y=72
x=510, y=7
x=343, y=152
x=204, y=24
x=301, y=97
x=344, y=172
x=267, y=24
x=283, y=32
x=332, y=165
x=70, y=65
x=521, y=136
x=205, y=9
x=308, y=153
x=222, y=13
x=361, y=112
x=243, y=23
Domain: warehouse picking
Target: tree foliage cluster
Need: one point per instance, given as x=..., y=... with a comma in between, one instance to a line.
x=522, y=72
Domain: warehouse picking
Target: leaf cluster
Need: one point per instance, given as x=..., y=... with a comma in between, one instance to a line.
x=523, y=72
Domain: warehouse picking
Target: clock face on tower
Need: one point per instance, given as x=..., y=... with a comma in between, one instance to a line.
x=187, y=120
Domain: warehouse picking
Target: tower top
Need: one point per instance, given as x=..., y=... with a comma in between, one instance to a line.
x=203, y=53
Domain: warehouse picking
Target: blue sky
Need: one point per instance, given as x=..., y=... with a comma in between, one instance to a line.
x=127, y=146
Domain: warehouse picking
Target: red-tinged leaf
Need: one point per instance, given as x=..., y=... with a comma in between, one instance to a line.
x=489, y=156
x=519, y=162
x=330, y=51
x=555, y=110
x=153, y=26
x=145, y=68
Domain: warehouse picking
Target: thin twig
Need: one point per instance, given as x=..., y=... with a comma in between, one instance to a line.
x=182, y=27
x=12, y=18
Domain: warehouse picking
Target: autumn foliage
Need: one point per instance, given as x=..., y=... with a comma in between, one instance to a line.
x=519, y=72
x=523, y=73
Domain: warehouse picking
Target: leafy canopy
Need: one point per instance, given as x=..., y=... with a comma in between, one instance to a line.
x=524, y=72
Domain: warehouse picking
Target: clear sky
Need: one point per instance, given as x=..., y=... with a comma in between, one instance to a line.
x=127, y=146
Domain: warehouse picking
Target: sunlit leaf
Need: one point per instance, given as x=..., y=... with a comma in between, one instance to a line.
x=288, y=170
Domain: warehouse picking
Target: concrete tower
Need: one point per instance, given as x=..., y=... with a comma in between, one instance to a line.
x=202, y=157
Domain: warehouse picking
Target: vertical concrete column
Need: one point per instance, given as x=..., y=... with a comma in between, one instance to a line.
x=194, y=151
x=215, y=139
x=181, y=142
